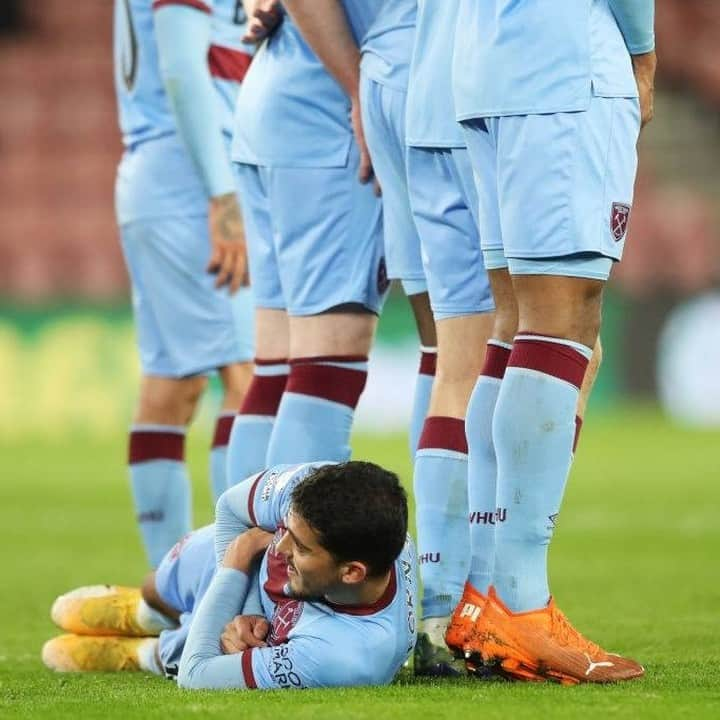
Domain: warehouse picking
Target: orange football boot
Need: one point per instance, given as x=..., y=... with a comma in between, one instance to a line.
x=466, y=614
x=543, y=645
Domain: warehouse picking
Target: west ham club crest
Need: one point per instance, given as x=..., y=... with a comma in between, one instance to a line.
x=619, y=220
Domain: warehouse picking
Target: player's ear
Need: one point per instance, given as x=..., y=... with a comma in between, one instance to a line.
x=353, y=572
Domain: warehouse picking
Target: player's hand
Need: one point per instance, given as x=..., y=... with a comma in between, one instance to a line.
x=243, y=632
x=242, y=552
x=263, y=19
x=365, y=172
x=644, y=68
x=227, y=237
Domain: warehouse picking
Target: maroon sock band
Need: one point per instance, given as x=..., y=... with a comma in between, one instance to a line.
x=428, y=363
x=443, y=433
x=309, y=376
x=146, y=445
x=560, y=361
x=223, y=426
x=578, y=427
x=496, y=361
x=264, y=395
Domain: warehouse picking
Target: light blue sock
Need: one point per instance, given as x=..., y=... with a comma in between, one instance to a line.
x=252, y=427
x=218, y=455
x=160, y=486
x=316, y=412
x=247, y=450
x=421, y=398
x=533, y=430
x=440, y=486
x=482, y=466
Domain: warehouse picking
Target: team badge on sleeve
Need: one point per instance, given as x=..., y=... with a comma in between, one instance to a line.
x=619, y=220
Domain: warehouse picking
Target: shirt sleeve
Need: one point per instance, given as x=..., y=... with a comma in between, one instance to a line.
x=305, y=662
x=636, y=19
x=263, y=500
x=182, y=34
x=203, y=664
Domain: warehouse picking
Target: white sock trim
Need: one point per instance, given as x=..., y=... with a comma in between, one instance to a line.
x=428, y=349
x=152, y=427
x=152, y=620
x=500, y=343
x=147, y=657
x=582, y=349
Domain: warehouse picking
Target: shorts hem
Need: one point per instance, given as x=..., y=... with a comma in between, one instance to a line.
x=448, y=314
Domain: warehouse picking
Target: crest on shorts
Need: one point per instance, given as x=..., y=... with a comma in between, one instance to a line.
x=619, y=220
x=383, y=283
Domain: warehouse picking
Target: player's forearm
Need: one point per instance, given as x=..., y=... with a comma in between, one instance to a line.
x=326, y=30
x=636, y=19
x=203, y=665
x=183, y=36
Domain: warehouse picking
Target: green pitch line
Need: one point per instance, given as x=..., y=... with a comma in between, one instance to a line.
x=634, y=565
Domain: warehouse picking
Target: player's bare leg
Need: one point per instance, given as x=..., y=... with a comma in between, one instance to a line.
x=235, y=380
x=425, y=324
x=158, y=474
x=253, y=425
x=328, y=370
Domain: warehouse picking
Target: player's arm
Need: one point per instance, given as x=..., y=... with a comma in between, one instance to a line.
x=326, y=30
x=182, y=33
x=203, y=664
x=262, y=500
x=636, y=19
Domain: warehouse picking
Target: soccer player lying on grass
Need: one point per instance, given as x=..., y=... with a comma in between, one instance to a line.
x=332, y=604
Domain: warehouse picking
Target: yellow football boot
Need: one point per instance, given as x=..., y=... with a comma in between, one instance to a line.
x=107, y=610
x=85, y=653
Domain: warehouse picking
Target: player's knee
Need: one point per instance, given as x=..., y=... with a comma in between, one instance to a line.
x=424, y=320
x=235, y=379
x=168, y=400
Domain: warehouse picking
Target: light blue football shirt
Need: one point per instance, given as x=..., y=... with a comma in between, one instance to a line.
x=430, y=117
x=525, y=57
x=290, y=111
x=388, y=45
x=311, y=643
x=143, y=107
x=159, y=179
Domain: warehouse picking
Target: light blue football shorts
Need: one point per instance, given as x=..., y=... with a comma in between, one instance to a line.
x=181, y=580
x=555, y=191
x=383, y=111
x=314, y=238
x=185, y=326
x=444, y=204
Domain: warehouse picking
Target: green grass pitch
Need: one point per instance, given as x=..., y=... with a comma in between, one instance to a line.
x=634, y=564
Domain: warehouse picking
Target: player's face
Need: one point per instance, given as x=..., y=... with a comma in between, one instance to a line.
x=312, y=571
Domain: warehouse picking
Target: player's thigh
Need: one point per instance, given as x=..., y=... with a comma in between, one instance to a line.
x=272, y=334
x=196, y=320
x=332, y=333
x=328, y=238
x=457, y=281
x=259, y=234
x=565, y=186
x=181, y=574
x=383, y=111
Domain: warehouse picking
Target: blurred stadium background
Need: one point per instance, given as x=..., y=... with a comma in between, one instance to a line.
x=66, y=340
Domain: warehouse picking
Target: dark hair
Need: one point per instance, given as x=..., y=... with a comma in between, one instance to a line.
x=359, y=511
